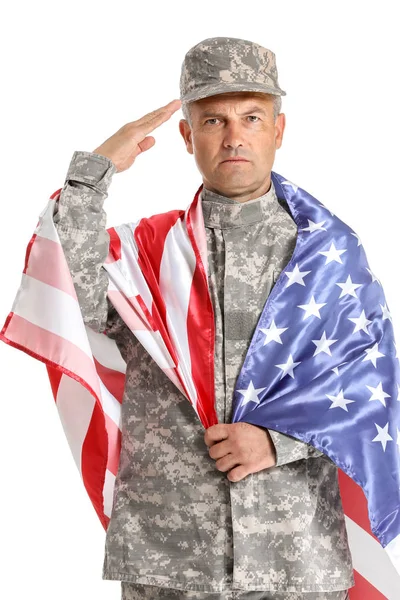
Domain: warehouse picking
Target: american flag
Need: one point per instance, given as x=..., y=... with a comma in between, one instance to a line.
x=321, y=366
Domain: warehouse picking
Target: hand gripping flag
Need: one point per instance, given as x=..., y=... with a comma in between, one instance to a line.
x=322, y=364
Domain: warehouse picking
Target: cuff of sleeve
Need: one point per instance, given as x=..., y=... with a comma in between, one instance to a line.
x=91, y=169
x=287, y=448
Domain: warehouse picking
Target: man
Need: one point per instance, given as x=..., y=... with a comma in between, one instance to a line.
x=239, y=512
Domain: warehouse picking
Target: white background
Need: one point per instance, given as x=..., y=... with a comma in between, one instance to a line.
x=72, y=75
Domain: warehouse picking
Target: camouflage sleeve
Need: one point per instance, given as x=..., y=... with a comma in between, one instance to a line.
x=288, y=449
x=80, y=220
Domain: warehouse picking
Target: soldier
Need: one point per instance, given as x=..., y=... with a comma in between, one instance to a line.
x=239, y=512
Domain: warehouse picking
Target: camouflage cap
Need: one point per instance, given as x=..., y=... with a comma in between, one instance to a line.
x=223, y=64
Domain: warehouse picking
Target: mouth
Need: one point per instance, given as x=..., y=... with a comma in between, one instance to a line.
x=235, y=160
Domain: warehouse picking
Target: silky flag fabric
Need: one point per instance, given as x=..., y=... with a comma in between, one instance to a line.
x=322, y=365
x=157, y=272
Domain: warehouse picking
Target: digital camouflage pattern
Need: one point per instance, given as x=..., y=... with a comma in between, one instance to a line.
x=147, y=592
x=223, y=64
x=177, y=522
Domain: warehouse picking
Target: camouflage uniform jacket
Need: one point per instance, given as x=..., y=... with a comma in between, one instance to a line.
x=176, y=520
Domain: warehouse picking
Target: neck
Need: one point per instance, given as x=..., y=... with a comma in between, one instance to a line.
x=241, y=196
x=223, y=212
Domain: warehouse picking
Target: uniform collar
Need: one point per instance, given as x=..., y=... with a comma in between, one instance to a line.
x=222, y=212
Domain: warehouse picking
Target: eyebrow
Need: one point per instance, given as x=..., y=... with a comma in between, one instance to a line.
x=216, y=113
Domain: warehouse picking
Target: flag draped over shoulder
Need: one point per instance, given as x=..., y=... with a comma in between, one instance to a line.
x=322, y=364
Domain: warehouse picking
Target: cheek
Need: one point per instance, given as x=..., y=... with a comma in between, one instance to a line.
x=204, y=152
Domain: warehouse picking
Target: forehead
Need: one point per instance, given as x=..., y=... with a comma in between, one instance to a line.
x=221, y=101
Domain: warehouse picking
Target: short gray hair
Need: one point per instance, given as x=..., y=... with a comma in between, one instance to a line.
x=277, y=108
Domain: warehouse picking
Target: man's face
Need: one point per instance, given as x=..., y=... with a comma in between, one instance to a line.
x=234, y=125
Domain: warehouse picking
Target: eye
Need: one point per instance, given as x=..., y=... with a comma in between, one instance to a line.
x=212, y=119
x=253, y=117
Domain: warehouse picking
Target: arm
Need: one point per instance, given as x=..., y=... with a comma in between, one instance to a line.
x=80, y=221
x=288, y=449
x=243, y=448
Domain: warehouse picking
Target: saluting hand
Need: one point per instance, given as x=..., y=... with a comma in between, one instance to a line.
x=132, y=139
x=240, y=448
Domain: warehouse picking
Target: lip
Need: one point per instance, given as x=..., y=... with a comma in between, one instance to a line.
x=235, y=160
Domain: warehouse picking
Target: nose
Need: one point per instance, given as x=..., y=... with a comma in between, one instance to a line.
x=233, y=137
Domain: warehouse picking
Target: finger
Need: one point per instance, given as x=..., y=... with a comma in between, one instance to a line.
x=226, y=463
x=147, y=143
x=215, y=433
x=157, y=117
x=220, y=449
x=238, y=473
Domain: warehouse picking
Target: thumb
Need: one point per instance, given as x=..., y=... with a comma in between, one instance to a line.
x=238, y=473
x=147, y=143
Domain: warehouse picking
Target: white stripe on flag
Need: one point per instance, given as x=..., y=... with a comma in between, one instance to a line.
x=393, y=551
x=46, y=227
x=371, y=561
x=178, y=264
x=108, y=492
x=75, y=406
x=199, y=232
x=110, y=404
x=155, y=346
x=130, y=267
x=46, y=306
x=105, y=351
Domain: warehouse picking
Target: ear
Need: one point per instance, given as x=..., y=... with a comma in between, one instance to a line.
x=279, y=129
x=186, y=133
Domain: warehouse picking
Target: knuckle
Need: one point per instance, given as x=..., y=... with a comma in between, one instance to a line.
x=220, y=465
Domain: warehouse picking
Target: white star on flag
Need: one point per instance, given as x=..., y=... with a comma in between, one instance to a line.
x=385, y=312
x=333, y=254
x=398, y=438
x=314, y=226
x=336, y=369
x=294, y=186
x=296, y=276
x=339, y=401
x=287, y=368
x=323, y=345
x=312, y=308
x=383, y=435
x=361, y=322
x=273, y=333
x=348, y=288
x=372, y=354
x=378, y=393
x=251, y=394
x=398, y=393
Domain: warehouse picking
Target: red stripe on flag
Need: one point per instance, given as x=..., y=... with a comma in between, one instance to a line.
x=150, y=235
x=55, y=376
x=28, y=251
x=201, y=334
x=53, y=196
x=363, y=590
x=94, y=461
x=114, y=445
x=114, y=252
x=113, y=380
x=95, y=447
x=354, y=502
x=54, y=349
x=146, y=312
x=47, y=264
